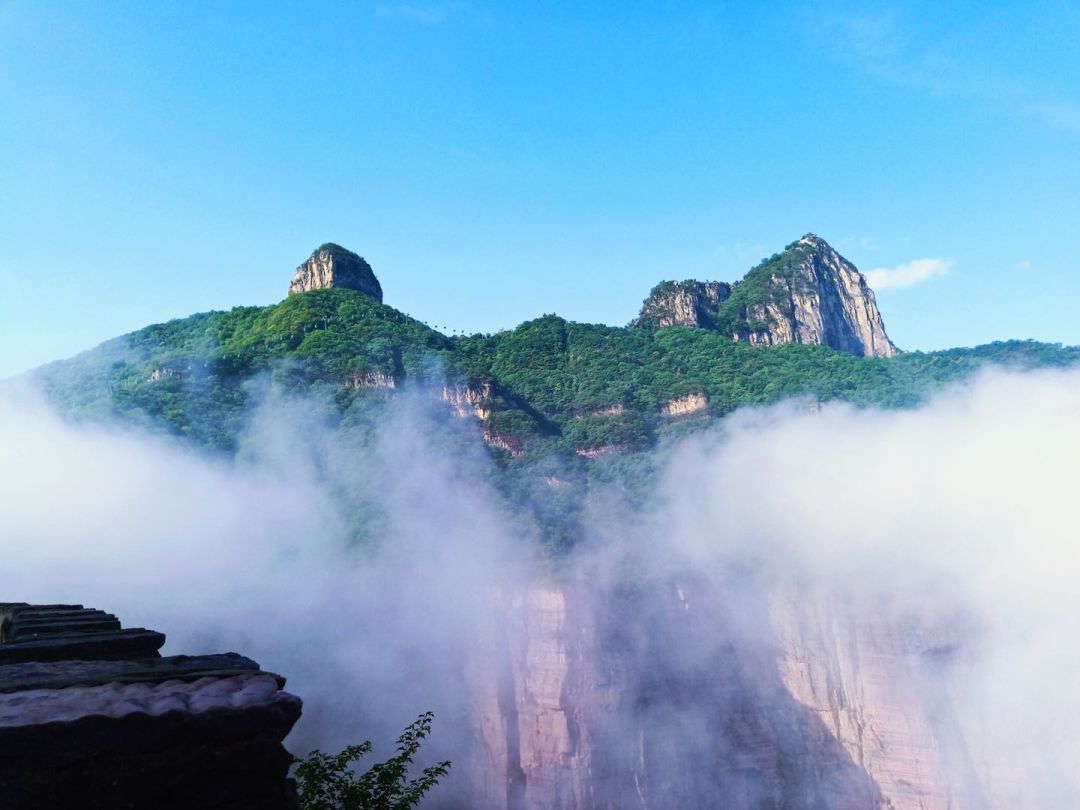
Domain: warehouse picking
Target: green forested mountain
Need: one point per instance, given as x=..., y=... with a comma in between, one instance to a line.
x=549, y=384
x=548, y=389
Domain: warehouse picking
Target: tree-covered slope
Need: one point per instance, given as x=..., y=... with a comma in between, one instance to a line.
x=548, y=385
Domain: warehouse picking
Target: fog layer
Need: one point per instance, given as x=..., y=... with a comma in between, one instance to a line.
x=363, y=570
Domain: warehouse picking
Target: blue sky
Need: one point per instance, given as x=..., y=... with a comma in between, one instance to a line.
x=496, y=161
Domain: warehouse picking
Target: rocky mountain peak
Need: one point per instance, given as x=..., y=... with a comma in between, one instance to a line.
x=809, y=293
x=684, y=303
x=818, y=296
x=332, y=265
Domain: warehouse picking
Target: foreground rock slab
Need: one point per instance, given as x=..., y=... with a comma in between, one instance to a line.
x=91, y=716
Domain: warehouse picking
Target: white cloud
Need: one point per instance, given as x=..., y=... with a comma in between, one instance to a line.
x=873, y=508
x=905, y=275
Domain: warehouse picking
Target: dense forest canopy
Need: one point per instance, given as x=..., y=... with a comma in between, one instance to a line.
x=554, y=383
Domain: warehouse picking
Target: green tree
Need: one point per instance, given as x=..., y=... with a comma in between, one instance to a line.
x=329, y=782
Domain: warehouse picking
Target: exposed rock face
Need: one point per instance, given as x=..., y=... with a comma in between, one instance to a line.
x=475, y=401
x=159, y=374
x=469, y=400
x=807, y=294
x=372, y=379
x=604, y=450
x=618, y=409
x=684, y=303
x=91, y=716
x=333, y=266
x=822, y=299
x=684, y=406
x=639, y=702
x=514, y=445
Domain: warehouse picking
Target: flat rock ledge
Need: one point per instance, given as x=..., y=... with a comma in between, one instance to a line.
x=91, y=716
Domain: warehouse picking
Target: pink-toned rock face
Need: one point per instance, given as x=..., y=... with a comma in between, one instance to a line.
x=877, y=694
x=664, y=701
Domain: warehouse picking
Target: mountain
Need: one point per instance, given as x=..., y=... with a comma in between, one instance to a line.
x=807, y=294
x=652, y=688
x=547, y=386
x=332, y=265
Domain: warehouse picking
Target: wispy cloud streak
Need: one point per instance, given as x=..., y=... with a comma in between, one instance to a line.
x=908, y=274
x=881, y=46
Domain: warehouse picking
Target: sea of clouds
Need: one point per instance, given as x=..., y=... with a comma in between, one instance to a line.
x=964, y=510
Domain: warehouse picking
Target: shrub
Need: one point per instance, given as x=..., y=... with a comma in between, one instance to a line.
x=329, y=782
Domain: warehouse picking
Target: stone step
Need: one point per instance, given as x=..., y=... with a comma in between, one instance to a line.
x=66, y=674
x=56, y=615
x=72, y=621
x=19, y=632
x=91, y=716
x=14, y=605
x=134, y=642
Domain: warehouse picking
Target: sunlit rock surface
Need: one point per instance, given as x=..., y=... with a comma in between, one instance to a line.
x=828, y=302
x=333, y=266
x=684, y=303
x=810, y=294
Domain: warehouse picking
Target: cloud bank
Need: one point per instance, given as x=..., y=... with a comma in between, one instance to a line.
x=960, y=514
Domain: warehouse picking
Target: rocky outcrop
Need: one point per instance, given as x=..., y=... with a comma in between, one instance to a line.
x=468, y=400
x=333, y=266
x=684, y=406
x=501, y=440
x=668, y=699
x=475, y=401
x=164, y=373
x=604, y=450
x=817, y=296
x=92, y=717
x=807, y=294
x=371, y=379
x=684, y=303
x=618, y=409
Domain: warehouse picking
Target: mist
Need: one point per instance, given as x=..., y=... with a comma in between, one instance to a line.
x=384, y=576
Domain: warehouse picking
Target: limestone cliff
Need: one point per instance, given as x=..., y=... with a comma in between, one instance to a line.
x=331, y=265
x=670, y=699
x=807, y=294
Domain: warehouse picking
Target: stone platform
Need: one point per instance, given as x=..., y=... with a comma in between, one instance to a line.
x=91, y=716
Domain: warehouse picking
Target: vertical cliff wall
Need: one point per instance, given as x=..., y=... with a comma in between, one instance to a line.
x=672, y=699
